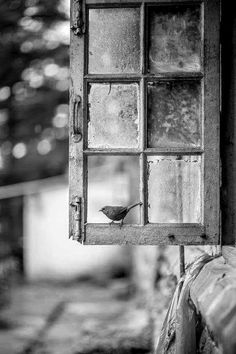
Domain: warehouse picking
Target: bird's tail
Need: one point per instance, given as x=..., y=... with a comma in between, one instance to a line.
x=133, y=205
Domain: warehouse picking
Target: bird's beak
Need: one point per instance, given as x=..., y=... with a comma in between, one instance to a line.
x=100, y=210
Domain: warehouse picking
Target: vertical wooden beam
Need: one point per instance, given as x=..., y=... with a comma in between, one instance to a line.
x=228, y=124
x=76, y=160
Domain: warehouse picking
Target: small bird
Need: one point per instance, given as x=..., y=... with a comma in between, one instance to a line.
x=117, y=213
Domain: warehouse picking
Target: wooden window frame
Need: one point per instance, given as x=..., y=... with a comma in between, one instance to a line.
x=145, y=233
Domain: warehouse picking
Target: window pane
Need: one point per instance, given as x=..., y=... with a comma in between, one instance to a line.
x=114, y=41
x=174, y=38
x=113, y=180
x=113, y=120
x=174, y=189
x=174, y=114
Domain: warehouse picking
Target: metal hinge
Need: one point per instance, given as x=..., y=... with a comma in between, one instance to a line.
x=77, y=231
x=78, y=26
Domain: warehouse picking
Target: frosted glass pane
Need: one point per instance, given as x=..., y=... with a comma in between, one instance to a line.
x=113, y=120
x=174, y=38
x=113, y=180
x=174, y=114
x=174, y=189
x=114, y=40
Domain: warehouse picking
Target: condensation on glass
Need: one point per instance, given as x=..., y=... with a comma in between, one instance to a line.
x=174, y=189
x=114, y=40
x=174, y=38
x=113, y=118
x=112, y=180
x=174, y=114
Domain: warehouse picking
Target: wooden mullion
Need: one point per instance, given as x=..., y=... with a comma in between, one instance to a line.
x=142, y=157
x=150, y=77
x=208, y=231
x=142, y=119
x=174, y=151
x=113, y=3
x=123, y=152
x=107, y=78
x=177, y=76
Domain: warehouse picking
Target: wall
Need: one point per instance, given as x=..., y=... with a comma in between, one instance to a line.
x=48, y=253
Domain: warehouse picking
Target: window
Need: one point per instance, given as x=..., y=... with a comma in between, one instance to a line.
x=145, y=121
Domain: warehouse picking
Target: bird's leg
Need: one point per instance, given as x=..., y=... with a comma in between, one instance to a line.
x=112, y=222
x=121, y=223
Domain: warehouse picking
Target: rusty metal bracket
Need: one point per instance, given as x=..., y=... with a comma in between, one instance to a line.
x=76, y=204
x=78, y=26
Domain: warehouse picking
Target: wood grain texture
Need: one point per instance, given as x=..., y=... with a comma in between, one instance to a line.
x=151, y=77
x=125, y=2
x=228, y=125
x=76, y=163
x=211, y=113
x=149, y=151
x=150, y=234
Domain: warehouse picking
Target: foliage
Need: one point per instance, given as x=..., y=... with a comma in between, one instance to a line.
x=34, y=38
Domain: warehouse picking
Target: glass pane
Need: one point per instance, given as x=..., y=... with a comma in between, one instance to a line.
x=114, y=41
x=174, y=38
x=174, y=114
x=174, y=189
x=113, y=181
x=113, y=120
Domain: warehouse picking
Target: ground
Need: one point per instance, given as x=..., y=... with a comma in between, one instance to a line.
x=82, y=318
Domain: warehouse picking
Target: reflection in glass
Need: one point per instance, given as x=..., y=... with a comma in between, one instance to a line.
x=113, y=180
x=174, y=114
x=174, y=38
x=113, y=116
x=114, y=42
x=174, y=189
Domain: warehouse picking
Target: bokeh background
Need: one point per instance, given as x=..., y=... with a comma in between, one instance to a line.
x=57, y=296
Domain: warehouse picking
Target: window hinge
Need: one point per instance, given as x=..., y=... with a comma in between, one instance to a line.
x=78, y=22
x=77, y=232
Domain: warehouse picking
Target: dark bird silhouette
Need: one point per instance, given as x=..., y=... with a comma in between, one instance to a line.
x=117, y=213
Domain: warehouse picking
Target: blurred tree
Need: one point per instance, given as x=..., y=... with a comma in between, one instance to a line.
x=34, y=39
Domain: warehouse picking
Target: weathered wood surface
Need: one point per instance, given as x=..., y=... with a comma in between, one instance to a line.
x=212, y=117
x=95, y=2
x=150, y=234
x=209, y=77
x=228, y=125
x=76, y=161
x=213, y=293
